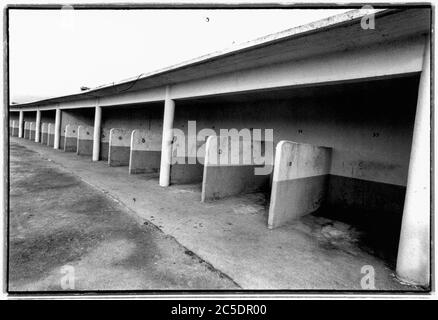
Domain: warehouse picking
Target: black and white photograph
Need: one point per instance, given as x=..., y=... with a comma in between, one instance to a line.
x=194, y=149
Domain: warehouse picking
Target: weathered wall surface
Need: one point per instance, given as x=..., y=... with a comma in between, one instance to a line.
x=144, y=117
x=44, y=133
x=13, y=123
x=368, y=125
x=76, y=117
x=187, y=167
x=300, y=181
x=14, y=128
x=145, y=151
x=50, y=134
x=70, y=138
x=26, y=130
x=85, y=141
x=32, y=127
x=119, y=147
x=230, y=168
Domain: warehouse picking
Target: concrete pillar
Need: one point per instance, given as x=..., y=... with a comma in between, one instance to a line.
x=57, y=129
x=37, y=126
x=20, y=124
x=413, y=260
x=166, y=145
x=96, y=133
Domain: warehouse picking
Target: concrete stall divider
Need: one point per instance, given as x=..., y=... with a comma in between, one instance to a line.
x=85, y=141
x=50, y=134
x=15, y=128
x=119, y=147
x=70, y=138
x=32, y=131
x=300, y=181
x=26, y=130
x=233, y=167
x=145, y=151
x=44, y=132
x=104, y=144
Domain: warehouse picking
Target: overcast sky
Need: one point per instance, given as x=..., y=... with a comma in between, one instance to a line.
x=55, y=52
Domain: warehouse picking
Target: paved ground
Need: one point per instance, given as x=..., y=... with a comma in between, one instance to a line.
x=58, y=220
x=231, y=234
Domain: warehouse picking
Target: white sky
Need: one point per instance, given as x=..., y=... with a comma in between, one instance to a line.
x=55, y=52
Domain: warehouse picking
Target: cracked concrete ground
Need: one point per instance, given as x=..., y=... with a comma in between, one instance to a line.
x=231, y=234
x=57, y=220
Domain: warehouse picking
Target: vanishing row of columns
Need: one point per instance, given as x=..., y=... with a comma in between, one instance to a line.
x=413, y=263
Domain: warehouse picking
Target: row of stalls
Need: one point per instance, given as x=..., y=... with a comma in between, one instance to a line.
x=339, y=150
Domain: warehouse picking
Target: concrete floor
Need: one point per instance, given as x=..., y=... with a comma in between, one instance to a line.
x=231, y=234
x=57, y=220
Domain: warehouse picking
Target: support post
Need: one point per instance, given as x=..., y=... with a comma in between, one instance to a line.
x=57, y=129
x=166, y=145
x=413, y=260
x=37, y=126
x=96, y=133
x=20, y=124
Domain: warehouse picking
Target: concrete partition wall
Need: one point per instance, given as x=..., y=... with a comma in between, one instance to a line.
x=85, y=141
x=70, y=138
x=104, y=143
x=230, y=168
x=50, y=134
x=32, y=131
x=44, y=133
x=145, y=151
x=119, y=147
x=14, y=130
x=147, y=116
x=26, y=130
x=70, y=120
x=300, y=181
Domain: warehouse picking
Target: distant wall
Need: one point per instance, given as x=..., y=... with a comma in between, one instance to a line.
x=145, y=151
x=142, y=117
x=119, y=147
x=85, y=141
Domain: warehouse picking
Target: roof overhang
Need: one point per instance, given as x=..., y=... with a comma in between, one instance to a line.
x=338, y=33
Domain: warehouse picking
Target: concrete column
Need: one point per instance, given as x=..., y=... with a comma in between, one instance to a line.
x=37, y=126
x=166, y=144
x=413, y=261
x=57, y=129
x=96, y=133
x=20, y=124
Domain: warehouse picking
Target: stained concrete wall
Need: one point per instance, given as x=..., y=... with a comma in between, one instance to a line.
x=119, y=147
x=145, y=151
x=74, y=118
x=368, y=125
x=44, y=133
x=26, y=129
x=85, y=141
x=50, y=134
x=70, y=138
x=187, y=168
x=13, y=123
x=32, y=132
x=14, y=128
x=134, y=117
x=47, y=116
x=300, y=181
x=230, y=167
